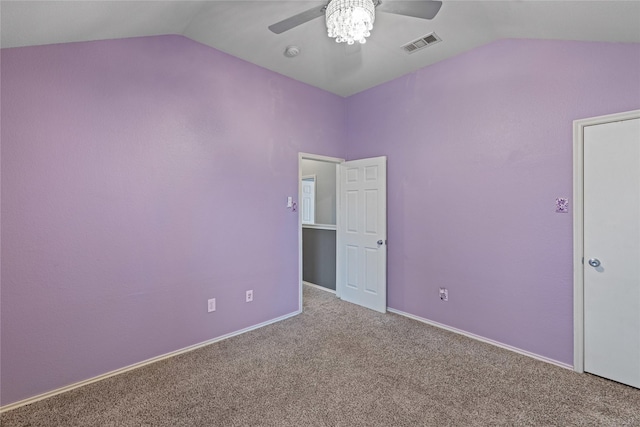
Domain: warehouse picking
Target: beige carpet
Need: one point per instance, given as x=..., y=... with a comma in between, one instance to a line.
x=341, y=365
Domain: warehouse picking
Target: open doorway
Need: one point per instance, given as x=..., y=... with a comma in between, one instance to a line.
x=346, y=243
x=318, y=195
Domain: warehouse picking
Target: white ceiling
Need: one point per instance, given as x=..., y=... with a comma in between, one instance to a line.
x=240, y=29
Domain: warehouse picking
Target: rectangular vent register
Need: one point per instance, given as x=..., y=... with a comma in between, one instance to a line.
x=421, y=43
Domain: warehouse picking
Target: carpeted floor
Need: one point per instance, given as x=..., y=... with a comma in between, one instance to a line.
x=341, y=365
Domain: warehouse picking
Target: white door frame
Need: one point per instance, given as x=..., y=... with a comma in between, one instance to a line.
x=578, y=227
x=320, y=158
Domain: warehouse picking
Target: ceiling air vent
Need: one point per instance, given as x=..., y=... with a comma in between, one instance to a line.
x=421, y=43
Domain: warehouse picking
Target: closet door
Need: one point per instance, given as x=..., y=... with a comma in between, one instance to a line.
x=612, y=251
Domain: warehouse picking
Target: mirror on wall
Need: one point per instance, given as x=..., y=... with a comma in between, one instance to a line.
x=308, y=210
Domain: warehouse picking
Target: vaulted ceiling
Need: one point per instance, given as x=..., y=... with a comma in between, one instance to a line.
x=240, y=29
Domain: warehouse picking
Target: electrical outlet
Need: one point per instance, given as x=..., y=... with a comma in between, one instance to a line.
x=211, y=305
x=444, y=294
x=249, y=296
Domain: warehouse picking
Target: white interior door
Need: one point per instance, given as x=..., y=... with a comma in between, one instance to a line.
x=612, y=251
x=362, y=233
x=308, y=199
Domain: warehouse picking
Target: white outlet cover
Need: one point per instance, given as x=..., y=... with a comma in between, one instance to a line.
x=249, y=296
x=211, y=305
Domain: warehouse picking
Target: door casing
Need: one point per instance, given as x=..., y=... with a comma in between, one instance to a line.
x=578, y=227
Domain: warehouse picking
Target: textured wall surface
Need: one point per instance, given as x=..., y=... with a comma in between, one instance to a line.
x=479, y=146
x=141, y=177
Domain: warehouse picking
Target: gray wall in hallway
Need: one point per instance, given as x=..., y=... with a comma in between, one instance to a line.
x=319, y=257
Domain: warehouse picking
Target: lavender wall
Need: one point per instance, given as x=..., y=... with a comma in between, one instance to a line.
x=479, y=146
x=141, y=177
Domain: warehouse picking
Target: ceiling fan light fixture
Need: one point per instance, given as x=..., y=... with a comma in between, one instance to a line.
x=349, y=21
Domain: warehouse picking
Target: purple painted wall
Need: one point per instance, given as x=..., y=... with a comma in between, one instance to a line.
x=479, y=147
x=141, y=177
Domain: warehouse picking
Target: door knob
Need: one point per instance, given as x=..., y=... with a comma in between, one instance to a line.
x=380, y=242
x=594, y=262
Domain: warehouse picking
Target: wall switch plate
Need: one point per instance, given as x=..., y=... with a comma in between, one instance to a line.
x=249, y=296
x=444, y=294
x=211, y=305
x=562, y=205
x=289, y=201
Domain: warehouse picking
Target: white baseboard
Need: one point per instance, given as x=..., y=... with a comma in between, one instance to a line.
x=73, y=386
x=313, y=285
x=480, y=338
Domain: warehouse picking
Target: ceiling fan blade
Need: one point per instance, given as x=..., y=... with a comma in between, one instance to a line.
x=300, y=18
x=419, y=9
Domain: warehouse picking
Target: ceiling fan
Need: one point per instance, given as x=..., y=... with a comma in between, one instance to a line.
x=351, y=20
